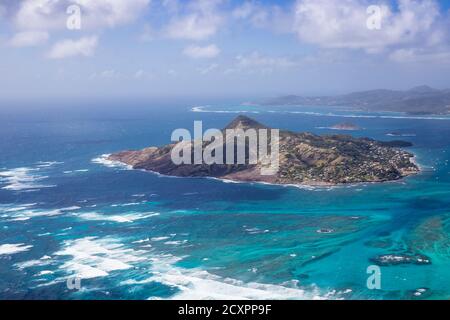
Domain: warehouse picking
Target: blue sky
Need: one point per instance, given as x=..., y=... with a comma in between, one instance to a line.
x=220, y=48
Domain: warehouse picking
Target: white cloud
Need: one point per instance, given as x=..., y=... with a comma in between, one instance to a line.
x=197, y=52
x=192, y=27
x=208, y=69
x=84, y=46
x=251, y=11
x=106, y=74
x=342, y=24
x=244, y=11
x=139, y=74
x=199, y=21
x=51, y=14
x=258, y=15
x=414, y=55
x=142, y=74
x=109, y=74
x=28, y=38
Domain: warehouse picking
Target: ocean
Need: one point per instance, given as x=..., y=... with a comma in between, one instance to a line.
x=75, y=226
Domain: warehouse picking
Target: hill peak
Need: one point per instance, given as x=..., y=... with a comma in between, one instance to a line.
x=244, y=122
x=422, y=89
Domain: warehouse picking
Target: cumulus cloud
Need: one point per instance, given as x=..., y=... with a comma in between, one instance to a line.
x=28, y=38
x=51, y=14
x=200, y=20
x=208, y=69
x=209, y=51
x=107, y=74
x=413, y=55
x=272, y=17
x=84, y=46
x=251, y=10
x=343, y=24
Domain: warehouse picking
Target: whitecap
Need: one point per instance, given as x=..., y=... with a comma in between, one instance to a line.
x=14, y=248
x=93, y=257
x=197, y=284
x=130, y=204
x=46, y=164
x=159, y=238
x=34, y=213
x=22, y=179
x=103, y=160
x=176, y=242
x=120, y=218
x=256, y=230
x=19, y=208
x=21, y=219
x=142, y=241
x=43, y=261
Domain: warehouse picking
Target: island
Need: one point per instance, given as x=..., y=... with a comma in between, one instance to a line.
x=346, y=126
x=400, y=134
x=304, y=159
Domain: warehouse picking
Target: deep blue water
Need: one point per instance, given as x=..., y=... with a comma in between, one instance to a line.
x=135, y=235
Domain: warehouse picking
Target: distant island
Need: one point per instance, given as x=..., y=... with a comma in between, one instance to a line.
x=422, y=100
x=400, y=134
x=305, y=159
x=345, y=126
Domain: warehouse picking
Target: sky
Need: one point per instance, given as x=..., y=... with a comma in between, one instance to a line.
x=219, y=48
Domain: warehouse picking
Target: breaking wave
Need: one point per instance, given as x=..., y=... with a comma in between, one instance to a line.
x=103, y=160
x=23, y=179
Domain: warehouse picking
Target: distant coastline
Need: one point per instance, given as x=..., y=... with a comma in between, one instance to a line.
x=422, y=100
x=346, y=126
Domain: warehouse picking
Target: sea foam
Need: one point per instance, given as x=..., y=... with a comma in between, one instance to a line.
x=92, y=257
x=198, y=284
x=22, y=179
x=26, y=213
x=13, y=248
x=103, y=160
x=121, y=218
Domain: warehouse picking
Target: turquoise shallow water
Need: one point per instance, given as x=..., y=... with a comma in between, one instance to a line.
x=67, y=214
